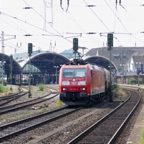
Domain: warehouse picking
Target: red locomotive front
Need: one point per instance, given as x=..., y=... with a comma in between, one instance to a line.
x=81, y=83
x=74, y=84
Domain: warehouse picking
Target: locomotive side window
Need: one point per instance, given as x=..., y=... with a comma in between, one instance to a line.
x=79, y=72
x=68, y=73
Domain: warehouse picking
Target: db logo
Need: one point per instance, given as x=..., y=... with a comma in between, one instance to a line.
x=73, y=83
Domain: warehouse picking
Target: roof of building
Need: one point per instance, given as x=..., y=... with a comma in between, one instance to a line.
x=7, y=64
x=70, y=53
x=116, y=54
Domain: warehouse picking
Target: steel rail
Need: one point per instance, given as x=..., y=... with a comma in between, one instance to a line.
x=95, y=125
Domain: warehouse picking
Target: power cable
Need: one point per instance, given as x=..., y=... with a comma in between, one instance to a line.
x=97, y=16
x=25, y=22
x=118, y=19
x=69, y=15
x=23, y=31
x=132, y=17
x=48, y=23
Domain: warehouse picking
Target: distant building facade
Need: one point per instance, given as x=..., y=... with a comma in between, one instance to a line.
x=128, y=61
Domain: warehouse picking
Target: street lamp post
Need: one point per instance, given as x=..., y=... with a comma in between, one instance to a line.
x=56, y=72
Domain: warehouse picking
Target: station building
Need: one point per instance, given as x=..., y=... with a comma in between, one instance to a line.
x=43, y=66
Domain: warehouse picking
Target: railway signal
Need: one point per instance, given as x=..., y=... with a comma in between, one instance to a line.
x=30, y=46
x=75, y=44
x=110, y=44
x=110, y=40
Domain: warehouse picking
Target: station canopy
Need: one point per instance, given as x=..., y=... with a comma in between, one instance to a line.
x=46, y=62
x=100, y=61
x=5, y=63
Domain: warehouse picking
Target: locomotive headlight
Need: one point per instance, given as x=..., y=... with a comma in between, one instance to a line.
x=65, y=83
x=82, y=89
x=64, y=89
x=81, y=83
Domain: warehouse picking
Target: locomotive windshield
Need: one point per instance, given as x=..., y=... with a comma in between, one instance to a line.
x=79, y=72
x=74, y=72
x=68, y=73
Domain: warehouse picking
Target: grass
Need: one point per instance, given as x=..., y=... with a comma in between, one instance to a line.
x=119, y=94
x=59, y=103
x=41, y=87
x=26, y=113
x=44, y=108
x=142, y=118
x=142, y=137
x=3, y=89
x=5, y=118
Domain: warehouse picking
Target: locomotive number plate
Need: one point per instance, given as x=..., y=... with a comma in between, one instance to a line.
x=73, y=83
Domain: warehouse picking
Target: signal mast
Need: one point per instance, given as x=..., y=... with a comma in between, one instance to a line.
x=76, y=61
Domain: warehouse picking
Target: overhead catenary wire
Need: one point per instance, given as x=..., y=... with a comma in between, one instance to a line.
x=69, y=15
x=131, y=34
x=118, y=19
x=49, y=24
x=21, y=30
x=97, y=17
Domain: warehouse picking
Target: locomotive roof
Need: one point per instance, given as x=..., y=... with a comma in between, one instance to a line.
x=95, y=67
x=87, y=65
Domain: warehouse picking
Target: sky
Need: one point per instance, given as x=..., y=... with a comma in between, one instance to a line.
x=51, y=25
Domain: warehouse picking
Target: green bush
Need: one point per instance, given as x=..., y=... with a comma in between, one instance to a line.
x=59, y=103
x=4, y=82
x=41, y=87
x=116, y=87
x=131, y=81
x=3, y=89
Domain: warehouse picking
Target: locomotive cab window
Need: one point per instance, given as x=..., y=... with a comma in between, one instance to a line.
x=68, y=73
x=74, y=73
x=79, y=72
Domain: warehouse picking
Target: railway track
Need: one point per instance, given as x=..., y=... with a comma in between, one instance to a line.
x=21, y=126
x=7, y=99
x=14, y=107
x=58, y=121
x=24, y=125
x=107, y=129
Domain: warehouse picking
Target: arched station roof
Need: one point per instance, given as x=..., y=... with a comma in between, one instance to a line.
x=100, y=61
x=46, y=61
x=16, y=68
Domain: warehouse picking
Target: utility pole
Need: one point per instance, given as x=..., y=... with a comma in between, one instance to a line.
x=30, y=46
x=2, y=46
x=3, y=53
x=110, y=45
x=11, y=58
x=45, y=13
x=122, y=59
x=2, y=35
x=2, y=40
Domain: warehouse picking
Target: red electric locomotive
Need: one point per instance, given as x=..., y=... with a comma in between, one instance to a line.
x=81, y=83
